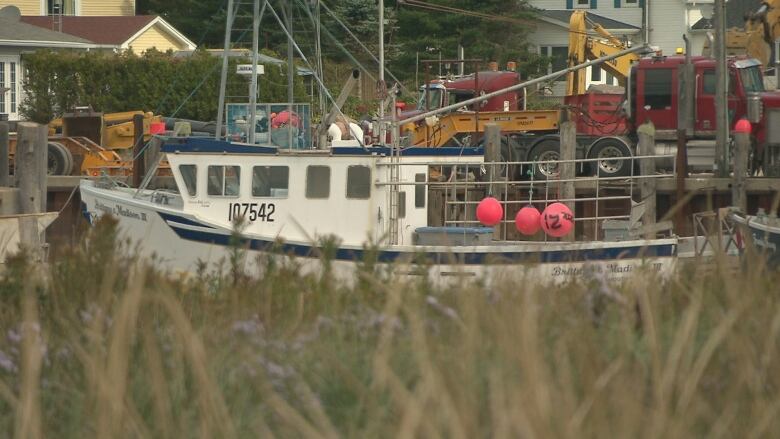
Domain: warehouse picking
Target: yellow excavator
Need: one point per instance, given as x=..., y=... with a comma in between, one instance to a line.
x=762, y=28
x=584, y=47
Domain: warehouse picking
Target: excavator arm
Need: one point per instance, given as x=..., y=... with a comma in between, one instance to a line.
x=583, y=48
x=763, y=28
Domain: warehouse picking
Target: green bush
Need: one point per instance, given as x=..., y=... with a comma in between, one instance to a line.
x=159, y=82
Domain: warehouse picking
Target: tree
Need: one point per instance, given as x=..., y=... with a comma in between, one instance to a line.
x=202, y=21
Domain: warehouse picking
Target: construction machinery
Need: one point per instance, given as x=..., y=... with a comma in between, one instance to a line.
x=587, y=41
x=756, y=40
x=585, y=47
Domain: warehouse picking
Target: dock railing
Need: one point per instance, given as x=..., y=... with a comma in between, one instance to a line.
x=463, y=185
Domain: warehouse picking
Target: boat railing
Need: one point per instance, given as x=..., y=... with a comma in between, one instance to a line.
x=462, y=185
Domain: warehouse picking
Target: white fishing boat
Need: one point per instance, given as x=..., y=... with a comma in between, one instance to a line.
x=411, y=209
x=289, y=199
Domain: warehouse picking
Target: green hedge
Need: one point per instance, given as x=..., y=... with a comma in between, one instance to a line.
x=185, y=87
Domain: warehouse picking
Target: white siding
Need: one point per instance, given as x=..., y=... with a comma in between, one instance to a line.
x=668, y=23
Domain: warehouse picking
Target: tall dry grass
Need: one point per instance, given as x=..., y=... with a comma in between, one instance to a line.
x=99, y=344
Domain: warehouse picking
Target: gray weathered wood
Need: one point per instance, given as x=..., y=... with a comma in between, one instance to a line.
x=5, y=181
x=568, y=169
x=42, y=158
x=30, y=166
x=152, y=152
x=493, y=155
x=29, y=150
x=738, y=193
x=138, y=149
x=647, y=186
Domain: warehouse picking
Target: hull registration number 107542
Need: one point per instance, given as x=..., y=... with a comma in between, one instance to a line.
x=251, y=212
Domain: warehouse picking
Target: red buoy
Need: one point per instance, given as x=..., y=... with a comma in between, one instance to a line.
x=742, y=126
x=527, y=220
x=557, y=220
x=489, y=211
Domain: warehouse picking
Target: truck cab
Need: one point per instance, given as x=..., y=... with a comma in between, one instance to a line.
x=653, y=95
x=442, y=92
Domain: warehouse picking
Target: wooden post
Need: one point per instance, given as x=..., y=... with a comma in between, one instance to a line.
x=738, y=194
x=568, y=169
x=42, y=155
x=493, y=154
x=647, y=186
x=138, y=149
x=30, y=161
x=152, y=152
x=4, y=178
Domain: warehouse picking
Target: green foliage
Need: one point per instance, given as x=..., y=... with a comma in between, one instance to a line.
x=185, y=87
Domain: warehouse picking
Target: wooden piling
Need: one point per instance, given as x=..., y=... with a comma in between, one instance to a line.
x=138, y=149
x=493, y=155
x=568, y=169
x=5, y=181
x=30, y=171
x=738, y=192
x=647, y=186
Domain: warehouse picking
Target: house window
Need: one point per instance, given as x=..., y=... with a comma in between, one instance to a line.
x=658, y=88
x=581, y=3
x=12, y=84
x=224, y=181
x=558, y=59
x=189, y=173
x=358, y=182
x=595, y=73
x=630, y=3
x=318, y=182
x=270, y=181
x=61, y=7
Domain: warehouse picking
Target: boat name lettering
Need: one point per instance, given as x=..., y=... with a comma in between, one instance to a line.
x=252, y=211
x=119, y=210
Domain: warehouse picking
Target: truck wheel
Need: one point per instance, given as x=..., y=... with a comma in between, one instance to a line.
x=546, y=151
x=59, y=160
x=608, y=152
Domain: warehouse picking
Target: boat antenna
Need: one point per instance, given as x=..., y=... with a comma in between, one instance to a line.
x=308, y=64
x=381, y=85
x=257, y=15
x=231, y=16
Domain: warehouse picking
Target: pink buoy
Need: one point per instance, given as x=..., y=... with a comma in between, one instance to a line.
x=527, y=220
x=489, y=211
x=557, y=220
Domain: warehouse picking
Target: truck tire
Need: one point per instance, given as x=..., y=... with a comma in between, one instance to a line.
x=59, y=160
x=546, y=150
x=607, y=151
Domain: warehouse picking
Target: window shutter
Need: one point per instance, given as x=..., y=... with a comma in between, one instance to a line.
x=569, y=4
x=593, y=4
x=617, y=4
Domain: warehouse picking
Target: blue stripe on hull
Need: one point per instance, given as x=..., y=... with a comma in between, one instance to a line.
x=450, y=257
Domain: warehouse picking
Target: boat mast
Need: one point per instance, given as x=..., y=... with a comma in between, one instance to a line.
x=253, y=81
x=223, y=76
x=382, y=87
x=290, y=71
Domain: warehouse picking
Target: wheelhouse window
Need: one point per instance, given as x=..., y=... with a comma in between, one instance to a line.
x=189, y=174
x=224, y=181
x=270, y=181
x=658, y=88
x=419, y=191
x=317, y=182
x=358, y=182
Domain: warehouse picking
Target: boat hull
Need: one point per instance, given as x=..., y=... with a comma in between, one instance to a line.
x=182, y=243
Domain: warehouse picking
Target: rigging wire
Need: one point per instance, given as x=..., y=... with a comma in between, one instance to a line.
x=303, y=57
x=465, y=12
x=363, y=46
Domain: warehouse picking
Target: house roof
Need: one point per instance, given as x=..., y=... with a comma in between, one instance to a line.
x=101, y=30
x=562, y=17
x=16, y=33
